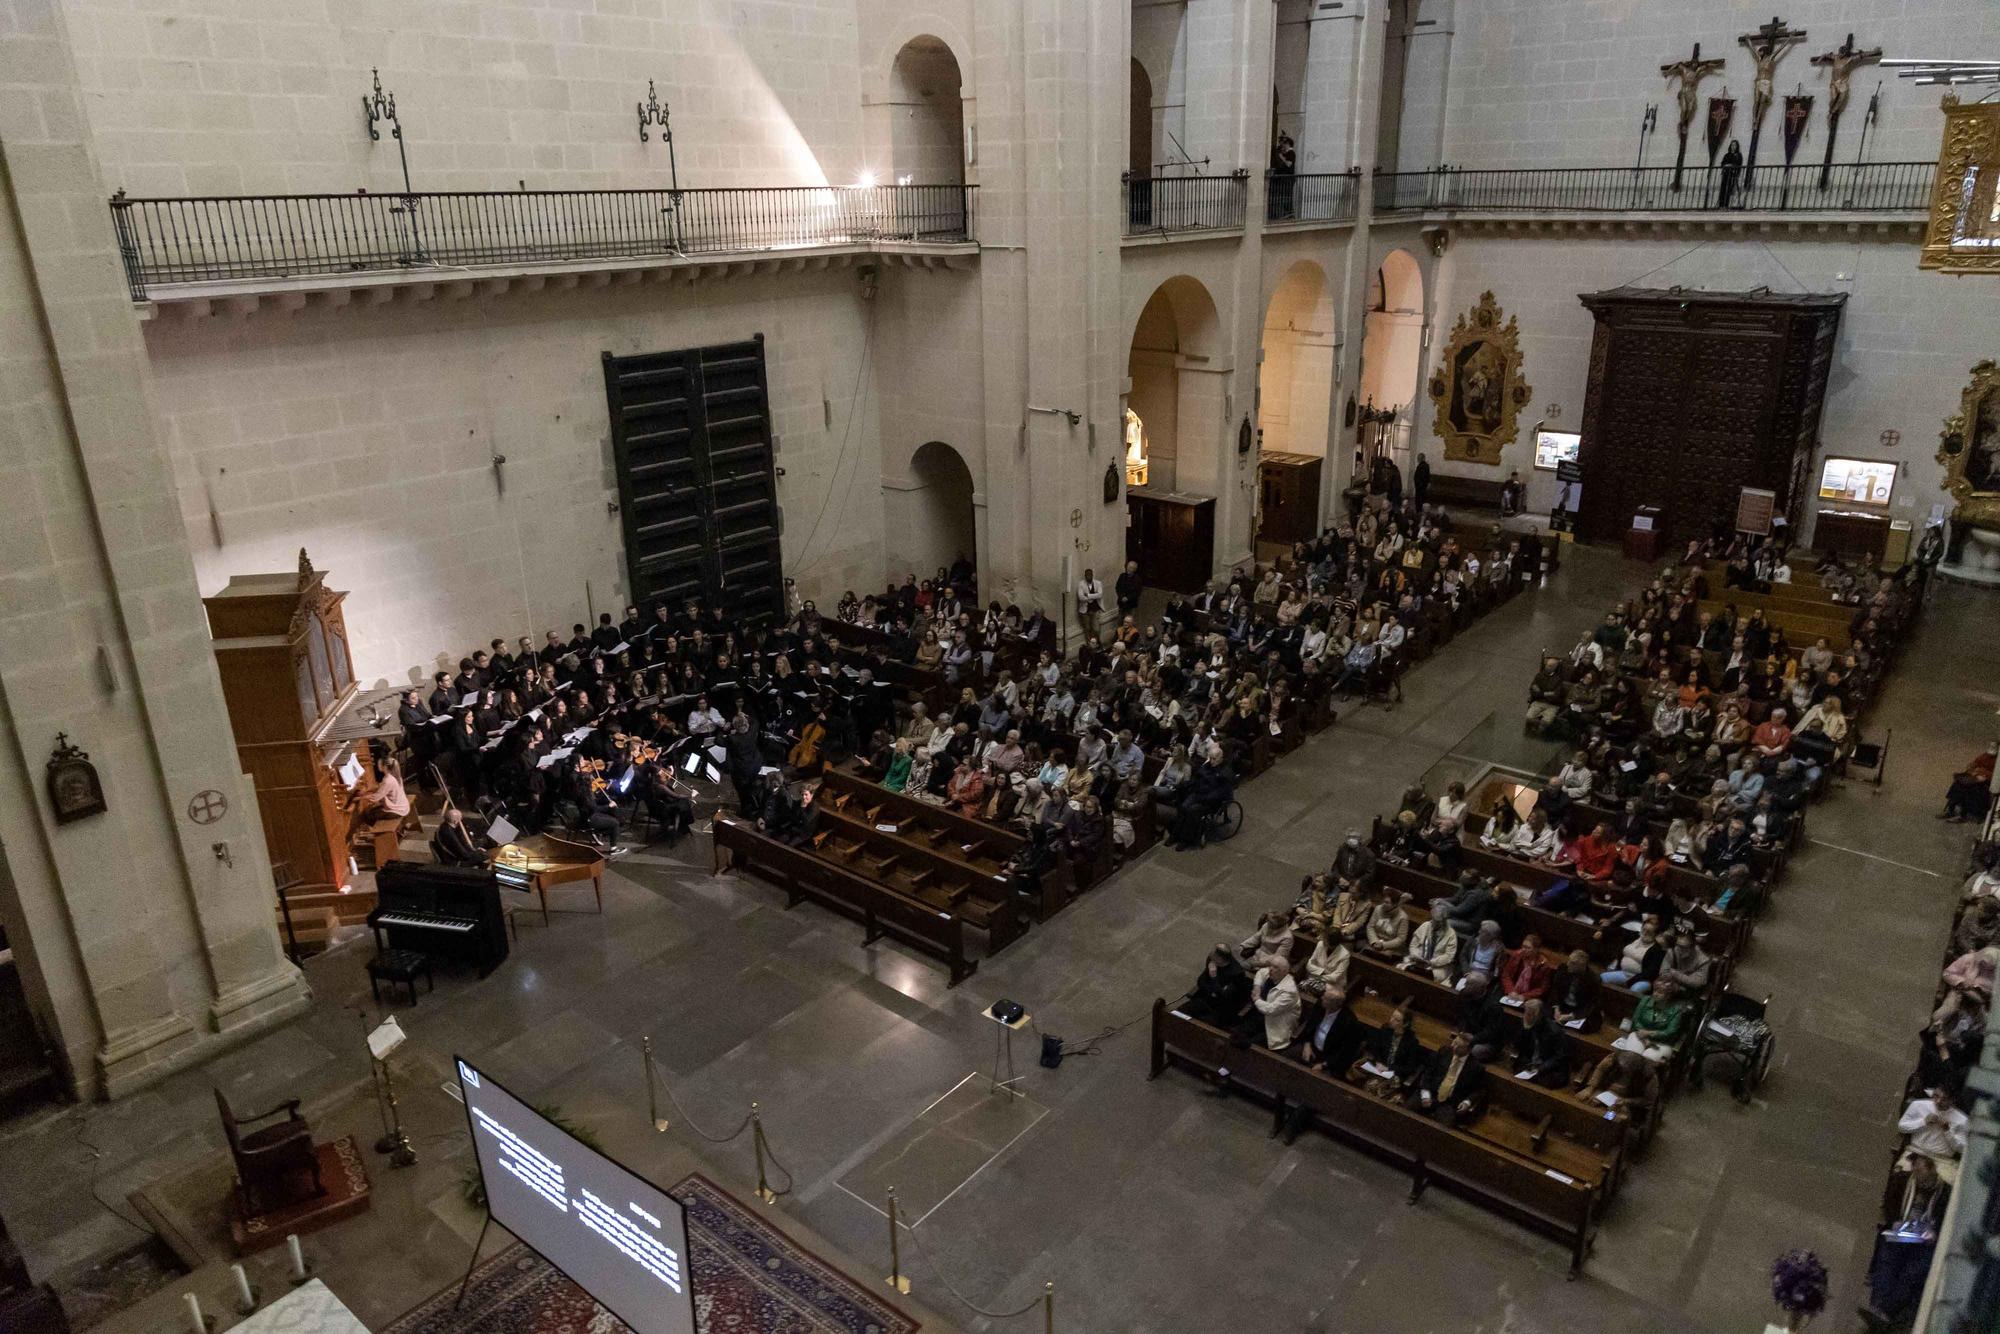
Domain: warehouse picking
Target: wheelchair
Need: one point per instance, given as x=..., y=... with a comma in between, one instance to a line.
x=1228, y=821
x=1734, y=1028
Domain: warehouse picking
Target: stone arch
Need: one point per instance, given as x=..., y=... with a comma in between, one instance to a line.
x=1392, y=344
x=1174, y=432
x=922, y=138
x=930, y=519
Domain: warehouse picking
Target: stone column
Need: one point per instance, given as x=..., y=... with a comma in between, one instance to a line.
x=1051, y=147
x=154, y=936
x=1420, y=139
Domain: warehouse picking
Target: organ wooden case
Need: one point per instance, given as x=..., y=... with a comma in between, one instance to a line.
x=281, y=647
x=1694, y=396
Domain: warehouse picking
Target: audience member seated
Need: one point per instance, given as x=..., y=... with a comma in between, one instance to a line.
x=1657, y=1022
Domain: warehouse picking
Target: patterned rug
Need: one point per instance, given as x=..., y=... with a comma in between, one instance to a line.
x=749, y=1278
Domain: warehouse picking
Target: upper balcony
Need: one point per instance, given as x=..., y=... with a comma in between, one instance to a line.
x=1889, y=194
x=1324, y=199
x=1167, y=207
x=200, y=251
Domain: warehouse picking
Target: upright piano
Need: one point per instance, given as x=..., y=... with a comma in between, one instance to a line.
x=540, y=862
x=448, y=912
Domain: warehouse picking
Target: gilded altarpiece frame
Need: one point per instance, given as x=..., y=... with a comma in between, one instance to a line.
x=1477, y=386
x=1969, y=449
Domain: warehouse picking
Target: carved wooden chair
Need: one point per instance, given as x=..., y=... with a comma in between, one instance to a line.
x=269, y=1161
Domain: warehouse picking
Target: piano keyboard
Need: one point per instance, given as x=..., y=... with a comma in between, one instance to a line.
x=426, y=921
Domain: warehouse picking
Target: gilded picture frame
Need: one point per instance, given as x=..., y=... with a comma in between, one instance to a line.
x=1963, y=234
x=1477, y=385
x=1969, y=449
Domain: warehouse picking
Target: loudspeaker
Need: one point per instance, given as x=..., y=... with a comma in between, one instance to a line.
x=1052, y=1051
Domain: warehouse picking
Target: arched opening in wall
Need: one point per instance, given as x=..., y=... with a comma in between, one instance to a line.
x=1294, y=399
x=1392, y=345
x=1174, y=448
x=927, y=115
x=928, y=521
x=1140, y=149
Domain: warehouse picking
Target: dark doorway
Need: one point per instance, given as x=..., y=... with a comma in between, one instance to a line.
x=698, y=495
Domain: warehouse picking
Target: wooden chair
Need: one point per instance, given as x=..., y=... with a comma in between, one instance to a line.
x=269, y=1161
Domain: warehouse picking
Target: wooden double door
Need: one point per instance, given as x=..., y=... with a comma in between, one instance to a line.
x=697, y=481
x=1694, y=396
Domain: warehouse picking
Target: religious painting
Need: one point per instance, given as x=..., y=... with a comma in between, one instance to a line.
x=1478, y=387
x=1969, y=449
x=1964, y=231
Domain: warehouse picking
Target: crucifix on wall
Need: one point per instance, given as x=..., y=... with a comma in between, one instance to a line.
x=1840, y=65
x=1767, y=46
x=1687, y=75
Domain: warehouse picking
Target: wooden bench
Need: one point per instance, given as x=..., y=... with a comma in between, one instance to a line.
x=979, y=894
x=881, y=910
x=1729, y=931
x=1467, y=492
x=1436, y=1006
x=999, y=842
x=1526, y=1188
x=1560, y=935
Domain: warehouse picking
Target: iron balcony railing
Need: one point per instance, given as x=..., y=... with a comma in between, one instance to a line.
x=1847, y=187
x=195, y=240
x=1185, y=203
x=1315, y=197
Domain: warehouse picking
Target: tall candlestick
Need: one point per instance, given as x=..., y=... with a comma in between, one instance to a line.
x=246, y=1297
x=298, y=1258
x=195, y=1324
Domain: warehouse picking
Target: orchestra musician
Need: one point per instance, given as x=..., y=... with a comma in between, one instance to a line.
x=388, y=798
x=453, y=844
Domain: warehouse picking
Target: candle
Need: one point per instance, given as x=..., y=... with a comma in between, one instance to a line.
x=195, y=1324
x=298, y=1258
x=245, y=1297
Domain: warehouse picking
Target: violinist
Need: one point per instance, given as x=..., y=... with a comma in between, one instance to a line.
x=592, y=794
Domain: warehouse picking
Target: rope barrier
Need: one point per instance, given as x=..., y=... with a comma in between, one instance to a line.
x=1044, y=1299
x=660, y=1123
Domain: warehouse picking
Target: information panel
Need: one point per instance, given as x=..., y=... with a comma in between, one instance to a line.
x=622, y=1239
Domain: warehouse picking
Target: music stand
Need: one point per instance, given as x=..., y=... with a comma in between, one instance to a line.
x=697, y=765
x=1003, y=1048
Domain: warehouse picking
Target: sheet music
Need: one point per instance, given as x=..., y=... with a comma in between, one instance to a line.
x=576, y=734
x=470, y=699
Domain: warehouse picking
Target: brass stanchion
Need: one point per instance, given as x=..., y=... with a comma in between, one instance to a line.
x=764, y=1191
x=652, y=1095
x=897, y=1278
x=1048, y=1308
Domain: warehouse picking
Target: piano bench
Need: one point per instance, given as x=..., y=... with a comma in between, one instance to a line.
x=404, y=966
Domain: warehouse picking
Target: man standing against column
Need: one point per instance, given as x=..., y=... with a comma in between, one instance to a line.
x=1089, y=602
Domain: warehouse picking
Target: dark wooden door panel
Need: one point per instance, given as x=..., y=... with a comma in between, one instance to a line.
x=1695, y=395
x=697, y=484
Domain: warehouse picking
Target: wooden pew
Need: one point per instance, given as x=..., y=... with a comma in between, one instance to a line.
x=1560, y=935
x=881, y=910
x=1525, y=1188
x=1002, y=842
x=1728, y=932
x=1436, y=1006
x=940, y=876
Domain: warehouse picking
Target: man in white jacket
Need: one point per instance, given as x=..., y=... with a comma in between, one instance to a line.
x=1276, y=997
x=1535, y=839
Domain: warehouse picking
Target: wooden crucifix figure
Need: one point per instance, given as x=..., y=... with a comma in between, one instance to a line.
x=1840, y=65
x=1767, y=46
x=1687, y=75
